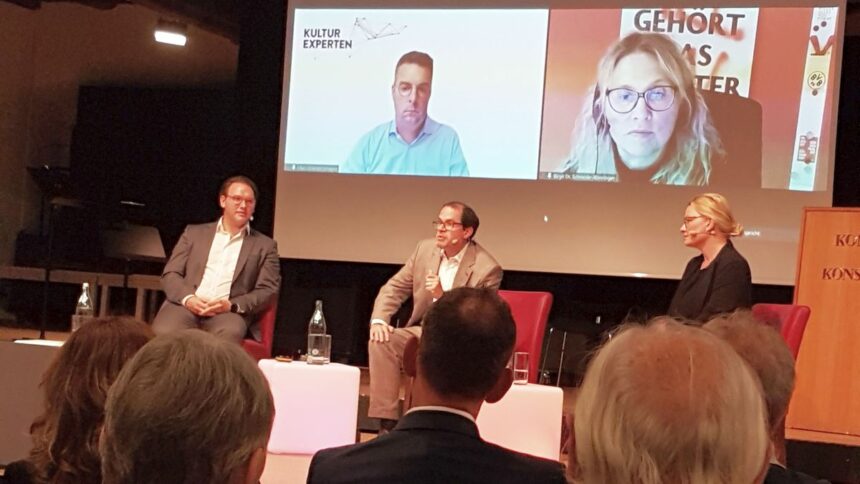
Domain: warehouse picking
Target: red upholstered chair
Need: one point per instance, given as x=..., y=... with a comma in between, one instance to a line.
x=789, y=319
x=531, y=312
x=260, y=350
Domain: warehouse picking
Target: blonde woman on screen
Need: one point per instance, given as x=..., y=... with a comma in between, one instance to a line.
x=645, y=121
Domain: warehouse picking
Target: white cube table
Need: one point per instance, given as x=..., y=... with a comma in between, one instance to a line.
x=316, y=406
x=527, y=419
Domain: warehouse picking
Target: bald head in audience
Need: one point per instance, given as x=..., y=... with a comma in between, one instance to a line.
x=188, y=408
x=669, y=403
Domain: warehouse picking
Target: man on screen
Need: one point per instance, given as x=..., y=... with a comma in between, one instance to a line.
x=453, y=259
x=221, y=274
x=413, y=143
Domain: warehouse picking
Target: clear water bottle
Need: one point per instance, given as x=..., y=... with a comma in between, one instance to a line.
x=84, y=310
x=319, y=343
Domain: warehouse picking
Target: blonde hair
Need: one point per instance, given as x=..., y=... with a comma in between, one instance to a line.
x=669, y=403
x=764, y=350
x=696, y=141
x=189, y=407
x=716, y=207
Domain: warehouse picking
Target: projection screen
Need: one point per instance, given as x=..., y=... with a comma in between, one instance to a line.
x=523, y=117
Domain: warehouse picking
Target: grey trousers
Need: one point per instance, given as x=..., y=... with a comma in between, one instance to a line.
x=173, y=317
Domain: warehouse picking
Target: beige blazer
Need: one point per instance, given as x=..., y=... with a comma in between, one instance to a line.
x=477, y=269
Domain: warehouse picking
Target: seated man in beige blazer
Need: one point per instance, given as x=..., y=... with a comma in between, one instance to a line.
x=451, y=259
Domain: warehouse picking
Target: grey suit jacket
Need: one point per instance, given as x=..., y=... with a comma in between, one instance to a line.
x=256, y=279
x=477, y=269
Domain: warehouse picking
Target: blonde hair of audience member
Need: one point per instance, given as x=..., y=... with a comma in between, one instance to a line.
x=188, y=408
x=669, y=403
x=764, y=350
x=716, y=208
x=688, y=155
x=66, y=434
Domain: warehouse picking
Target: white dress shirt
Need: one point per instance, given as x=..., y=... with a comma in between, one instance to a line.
x=221, y=264
x=436, y=408
x=448, y=268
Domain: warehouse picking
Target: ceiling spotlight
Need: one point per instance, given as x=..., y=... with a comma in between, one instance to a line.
x=168, y=32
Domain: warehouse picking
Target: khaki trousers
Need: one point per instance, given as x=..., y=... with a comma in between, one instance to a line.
x=386, y=362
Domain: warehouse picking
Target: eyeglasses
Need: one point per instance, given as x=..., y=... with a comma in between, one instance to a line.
x=687, y=220
x=405, y=89
x=236, y=199
x=658, y=98
x=448, y=224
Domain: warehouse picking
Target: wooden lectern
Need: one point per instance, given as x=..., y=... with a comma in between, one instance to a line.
x=825, y=406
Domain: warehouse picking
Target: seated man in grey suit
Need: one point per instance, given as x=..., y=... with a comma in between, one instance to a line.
x=452, y=259
x=221, y=274
x=457, y=365
x=188, y=408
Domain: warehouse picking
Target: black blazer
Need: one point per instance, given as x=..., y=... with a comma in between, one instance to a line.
x=430, y=447
x=724, y=286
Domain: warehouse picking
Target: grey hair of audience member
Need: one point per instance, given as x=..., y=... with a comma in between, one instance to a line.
x=188, y=408
x=665, y=403
x=764, y=350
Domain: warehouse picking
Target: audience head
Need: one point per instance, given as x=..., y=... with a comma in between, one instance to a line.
x=765, y=352
x=669, y=403
x=467, y=339
x=76, y=384
x=189, y=408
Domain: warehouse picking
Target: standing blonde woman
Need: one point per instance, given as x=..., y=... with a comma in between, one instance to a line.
x=718, y=279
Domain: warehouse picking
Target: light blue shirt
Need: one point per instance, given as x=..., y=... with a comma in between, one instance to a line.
x=435, y=152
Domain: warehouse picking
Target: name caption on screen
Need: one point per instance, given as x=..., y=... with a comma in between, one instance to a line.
x=324, y=38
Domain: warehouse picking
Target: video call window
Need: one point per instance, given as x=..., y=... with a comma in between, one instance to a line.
x=676, y=96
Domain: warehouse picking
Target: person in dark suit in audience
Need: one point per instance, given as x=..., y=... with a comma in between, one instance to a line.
x=669, y=403
x=458, y=364
x=718, y=280
x=188, y=408
x=452, y=259
x=221, y=274
x=766, y=353
x=66, y=434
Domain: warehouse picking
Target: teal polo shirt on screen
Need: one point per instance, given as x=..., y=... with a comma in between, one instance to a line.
x=435, y=152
